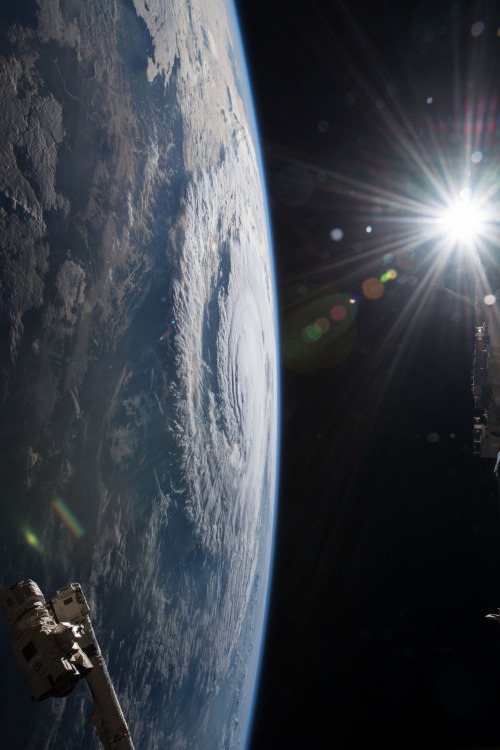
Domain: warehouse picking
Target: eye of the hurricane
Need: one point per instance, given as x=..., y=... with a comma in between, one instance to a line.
x=463, y=220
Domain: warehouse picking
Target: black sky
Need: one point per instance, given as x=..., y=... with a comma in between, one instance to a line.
x=388, y=536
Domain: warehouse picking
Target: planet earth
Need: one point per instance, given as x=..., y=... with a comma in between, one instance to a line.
x=138, y=360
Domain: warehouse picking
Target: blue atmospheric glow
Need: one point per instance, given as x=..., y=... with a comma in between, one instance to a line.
x=249, y=712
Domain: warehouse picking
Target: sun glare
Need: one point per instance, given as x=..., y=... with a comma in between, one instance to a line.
x=463, y=221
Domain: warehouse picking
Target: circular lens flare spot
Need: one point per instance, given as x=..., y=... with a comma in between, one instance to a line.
x=490, y=299
x=477, y=28
x=336, y=234
x=323, y=325
x=372, y=288
x=338, y=313
x=404, y=261
x=311, y=333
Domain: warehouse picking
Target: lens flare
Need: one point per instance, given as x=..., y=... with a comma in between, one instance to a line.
x=338, y=312
x=311, y=333
x=32, y=540
x=422, y=199
x=389, y=275
x=318, y=328
x=66, y=515
x=372, y=288
x=323, y=325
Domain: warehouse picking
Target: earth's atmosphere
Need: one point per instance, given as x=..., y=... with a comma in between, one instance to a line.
x=138, y=370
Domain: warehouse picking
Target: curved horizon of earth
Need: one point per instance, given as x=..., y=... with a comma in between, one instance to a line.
x=138, y=360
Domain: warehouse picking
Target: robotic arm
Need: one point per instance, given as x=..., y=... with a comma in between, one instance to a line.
x=56, y=647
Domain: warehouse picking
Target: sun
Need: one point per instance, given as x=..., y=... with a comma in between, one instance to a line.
x=463, y=221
